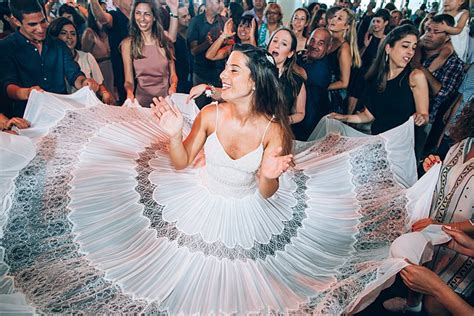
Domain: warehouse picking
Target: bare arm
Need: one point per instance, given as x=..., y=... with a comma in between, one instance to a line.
x=423, y=280
x=172, y=32
x=455, y=30
x=197, y=49
x=433, y=84
x=15, y=92
x=443, y=56
x=216, y=52
x=87, y=41
x=362, y=117
x=419, y=87
x=129, y=82
x=171, y=122
x=460, y=241
x=273, y=164
x=345, y=61
x=198, y=90
x=300, y=109
x=100, y=14
x=173, y=77
x=48, y=6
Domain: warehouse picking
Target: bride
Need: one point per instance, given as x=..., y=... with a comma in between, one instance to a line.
x=112, y=212
x=259, y=119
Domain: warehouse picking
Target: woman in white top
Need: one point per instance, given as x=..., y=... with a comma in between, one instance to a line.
x=64, y=30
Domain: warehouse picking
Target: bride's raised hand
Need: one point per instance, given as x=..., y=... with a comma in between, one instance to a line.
x=169, y=117
x=273, y=164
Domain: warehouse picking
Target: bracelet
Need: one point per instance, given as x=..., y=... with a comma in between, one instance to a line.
x=172, y=15
x=210, y=90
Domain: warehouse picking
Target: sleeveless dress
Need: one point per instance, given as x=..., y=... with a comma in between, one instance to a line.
x=391, y=107
x=152, y=75
x=337, y=97
x=461, y=41
x=95, y=220
x=101, y=52
x=357, y=80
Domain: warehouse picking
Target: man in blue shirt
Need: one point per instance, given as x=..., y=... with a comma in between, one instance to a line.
x=318, y=72
x=30, y=61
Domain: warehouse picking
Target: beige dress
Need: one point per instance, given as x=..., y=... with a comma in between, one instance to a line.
x=152, y=75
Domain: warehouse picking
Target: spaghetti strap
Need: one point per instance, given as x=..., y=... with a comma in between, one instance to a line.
x=217, y=116
x=266, y=129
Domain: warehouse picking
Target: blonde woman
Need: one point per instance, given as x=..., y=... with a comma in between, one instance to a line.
x=343, y=54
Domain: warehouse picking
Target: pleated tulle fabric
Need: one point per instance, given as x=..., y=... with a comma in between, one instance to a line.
x=100, y=222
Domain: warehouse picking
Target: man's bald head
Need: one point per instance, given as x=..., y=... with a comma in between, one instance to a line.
x=318, y=43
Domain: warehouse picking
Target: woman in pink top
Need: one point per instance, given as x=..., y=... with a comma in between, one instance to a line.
x=95, y=40
x=148, y=56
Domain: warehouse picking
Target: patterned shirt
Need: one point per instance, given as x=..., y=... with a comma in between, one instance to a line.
x=450, y=77
x=467, y=91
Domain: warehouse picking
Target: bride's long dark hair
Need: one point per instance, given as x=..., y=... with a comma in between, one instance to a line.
x=268, y=97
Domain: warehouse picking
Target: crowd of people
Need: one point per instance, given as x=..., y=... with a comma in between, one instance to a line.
x=330, y=60
x=373, y=70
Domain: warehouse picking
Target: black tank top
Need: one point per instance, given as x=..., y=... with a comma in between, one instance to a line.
x=334, y=61
x=393, y=106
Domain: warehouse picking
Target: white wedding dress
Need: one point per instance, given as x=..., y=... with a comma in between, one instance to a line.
x=100, y=222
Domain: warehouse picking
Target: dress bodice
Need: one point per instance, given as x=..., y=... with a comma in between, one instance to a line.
x=227, y=176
